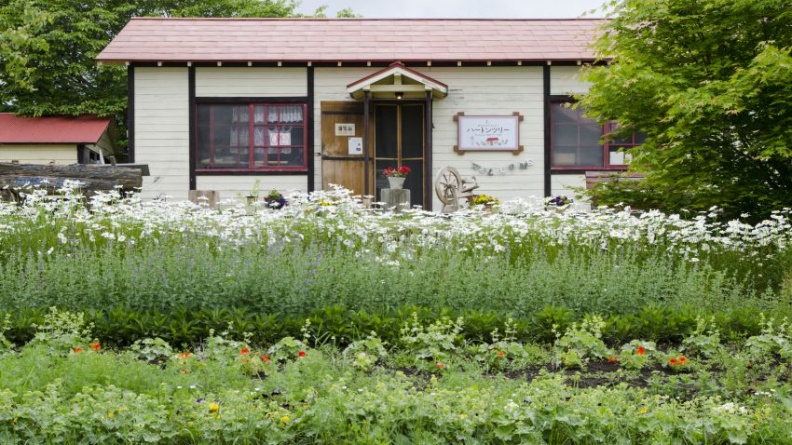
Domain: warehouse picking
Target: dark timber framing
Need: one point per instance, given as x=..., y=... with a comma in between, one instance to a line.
x=130, y=114
x=192, y=126
x=428, y=124
x=548, y=184
x=309, y=123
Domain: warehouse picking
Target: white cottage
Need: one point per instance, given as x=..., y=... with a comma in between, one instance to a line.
x=215, y=104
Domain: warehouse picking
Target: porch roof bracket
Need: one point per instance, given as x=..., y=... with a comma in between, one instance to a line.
x=397, y=78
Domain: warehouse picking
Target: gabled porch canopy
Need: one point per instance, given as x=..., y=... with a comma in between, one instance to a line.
x=397, y=82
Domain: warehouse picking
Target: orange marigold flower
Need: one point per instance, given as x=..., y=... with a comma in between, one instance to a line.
x=301, y=354
x=682, y=360
x=501, y=354
x=95, y=345
x=265, y=358
x=640, y=350
x=439, y=365
x=673, y=362
x=78, y=349
x=612, y=359
x=184, y=355
x=244, y=351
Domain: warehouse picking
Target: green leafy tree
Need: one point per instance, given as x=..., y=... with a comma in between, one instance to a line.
x=709, y=82
x=48, y=49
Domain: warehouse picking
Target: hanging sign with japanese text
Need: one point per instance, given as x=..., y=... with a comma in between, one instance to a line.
x=488, y=133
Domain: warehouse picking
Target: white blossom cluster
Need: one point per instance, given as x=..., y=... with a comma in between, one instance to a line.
x=338, y=217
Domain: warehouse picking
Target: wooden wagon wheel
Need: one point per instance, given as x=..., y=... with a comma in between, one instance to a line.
x=447, y=186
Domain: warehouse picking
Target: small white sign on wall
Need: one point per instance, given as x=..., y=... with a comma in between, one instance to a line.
x=355, y=146
x=344, y=129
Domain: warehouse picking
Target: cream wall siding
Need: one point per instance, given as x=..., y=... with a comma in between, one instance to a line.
x=474, y=90
x=39, y=154
x=233, y=187
x=565, y=80
x=562, y=184
x=491, y=91
x=162, y=130
x=250, y=82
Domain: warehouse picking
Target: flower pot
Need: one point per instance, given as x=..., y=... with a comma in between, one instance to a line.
x=396, y=182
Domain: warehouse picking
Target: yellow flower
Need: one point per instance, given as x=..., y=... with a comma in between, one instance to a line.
x=643, y=410
x=285, y=419
x=214, y=408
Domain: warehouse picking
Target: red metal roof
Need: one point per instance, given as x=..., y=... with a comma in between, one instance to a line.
x=350, y=40
x=51, y=129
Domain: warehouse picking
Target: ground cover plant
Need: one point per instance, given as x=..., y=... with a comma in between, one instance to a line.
x=325, y=322
x=430, y=386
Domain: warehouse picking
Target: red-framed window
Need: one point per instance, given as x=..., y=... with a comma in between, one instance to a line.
x=251, y=137
x=577, y=142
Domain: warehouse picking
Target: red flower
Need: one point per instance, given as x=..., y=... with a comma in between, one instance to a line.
x=612, y=359
x=78, y=349
x=500, y=354
x=400, y=172
x=95, y=345
x=265, y=358
x=640, y=350
x=244, y=351
x=301, y=354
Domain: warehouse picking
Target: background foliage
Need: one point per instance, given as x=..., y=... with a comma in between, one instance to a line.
x=48, y=49
x=708, y=81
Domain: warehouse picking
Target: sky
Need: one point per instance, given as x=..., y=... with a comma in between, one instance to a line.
x=528, y=9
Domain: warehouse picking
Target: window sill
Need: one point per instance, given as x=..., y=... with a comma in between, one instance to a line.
x=240, y=172
x=582, y=170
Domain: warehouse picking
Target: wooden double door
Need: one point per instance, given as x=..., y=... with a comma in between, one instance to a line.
x=396, y=137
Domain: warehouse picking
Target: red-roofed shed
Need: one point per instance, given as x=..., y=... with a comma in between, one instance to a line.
x=58, y=139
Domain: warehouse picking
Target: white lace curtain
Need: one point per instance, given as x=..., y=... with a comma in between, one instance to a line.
x=283, y=114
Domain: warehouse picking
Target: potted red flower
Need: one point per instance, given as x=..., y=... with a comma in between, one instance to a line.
x=396, y=176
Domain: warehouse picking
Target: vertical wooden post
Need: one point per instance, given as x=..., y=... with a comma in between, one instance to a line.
x=366, y=152
x=428, y=186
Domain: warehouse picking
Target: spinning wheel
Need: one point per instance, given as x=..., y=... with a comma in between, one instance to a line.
x=450, y=188
x=448, y=184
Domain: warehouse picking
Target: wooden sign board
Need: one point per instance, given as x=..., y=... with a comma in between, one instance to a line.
x=488, y=133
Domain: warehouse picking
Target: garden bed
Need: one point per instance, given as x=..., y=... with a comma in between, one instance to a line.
x=176, y=323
